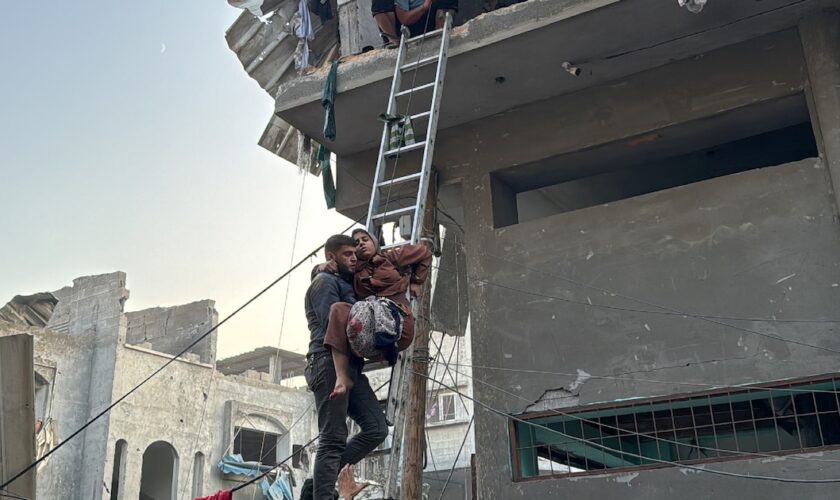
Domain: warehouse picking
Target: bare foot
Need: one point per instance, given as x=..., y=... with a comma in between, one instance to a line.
x=347, y=486
x=342, y=386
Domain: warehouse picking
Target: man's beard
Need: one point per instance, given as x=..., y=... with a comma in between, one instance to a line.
x=344, y=270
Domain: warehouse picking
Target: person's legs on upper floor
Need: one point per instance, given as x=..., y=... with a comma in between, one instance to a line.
x=383, y=14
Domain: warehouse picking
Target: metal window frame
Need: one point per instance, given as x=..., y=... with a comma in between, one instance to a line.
x=513, y=436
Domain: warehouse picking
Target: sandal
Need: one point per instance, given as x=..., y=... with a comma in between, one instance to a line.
x=388, y=41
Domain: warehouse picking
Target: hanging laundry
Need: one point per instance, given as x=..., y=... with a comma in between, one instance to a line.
x=400, y=130
x=235, y=464
x=219, y=495
x=328, y=102
x=305, y=33
x=45, y=440
x=279, y=490
x=326, y=175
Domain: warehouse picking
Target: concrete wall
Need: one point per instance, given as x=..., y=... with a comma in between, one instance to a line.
x=753, y=72
x=172, y=329
x=83, y=356
x=716, y=247
x=173, y=408
x=762, y=243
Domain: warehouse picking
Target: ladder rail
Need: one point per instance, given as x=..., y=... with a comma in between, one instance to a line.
x=397, y=401
x=382, y=162
x=431, y=132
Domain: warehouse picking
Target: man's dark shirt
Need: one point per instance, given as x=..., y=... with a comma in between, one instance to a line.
x=325, y=290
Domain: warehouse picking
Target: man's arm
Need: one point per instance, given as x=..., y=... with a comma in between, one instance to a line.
x=409, y=17
x=323, y=293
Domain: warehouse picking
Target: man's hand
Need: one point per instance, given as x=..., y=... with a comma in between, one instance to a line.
x=329, y=267
x=416, y=289
x=347, y=486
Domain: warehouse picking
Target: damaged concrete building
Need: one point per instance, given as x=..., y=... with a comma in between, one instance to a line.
x=645, y=194
x=164, y=440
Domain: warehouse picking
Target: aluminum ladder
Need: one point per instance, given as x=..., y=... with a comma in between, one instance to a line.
x=381, y=189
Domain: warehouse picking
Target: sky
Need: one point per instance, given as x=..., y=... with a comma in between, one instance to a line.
x=128, y=141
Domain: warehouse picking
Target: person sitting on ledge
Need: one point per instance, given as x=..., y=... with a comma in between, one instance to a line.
x=419, y=16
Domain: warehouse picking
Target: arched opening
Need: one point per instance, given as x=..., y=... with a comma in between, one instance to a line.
x=198, y=475
x=118, y=472
x=159, y=480
x=260, y=438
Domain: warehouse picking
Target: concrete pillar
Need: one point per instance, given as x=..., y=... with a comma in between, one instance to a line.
x=820, y=34
x=275, y=368
x=17, y=413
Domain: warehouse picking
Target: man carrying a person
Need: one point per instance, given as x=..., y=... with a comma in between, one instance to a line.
x=359, y=403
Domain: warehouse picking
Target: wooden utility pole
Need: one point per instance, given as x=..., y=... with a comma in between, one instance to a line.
x=415, y=419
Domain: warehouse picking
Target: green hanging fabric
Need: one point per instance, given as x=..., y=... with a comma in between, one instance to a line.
x=400, y=130
x=328, y=102
x=326, y=175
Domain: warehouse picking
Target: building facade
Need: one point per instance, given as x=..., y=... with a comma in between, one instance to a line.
x=164, y=440
x=646, y=195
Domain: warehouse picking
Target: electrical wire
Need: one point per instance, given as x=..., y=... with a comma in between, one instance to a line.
x=166, y=364
x=657, y=439
x=457, y=456
x=266, y=473
x=285, y=305
x=606, y=448
x=664, y=310
x=673, y=313
x=751, y=386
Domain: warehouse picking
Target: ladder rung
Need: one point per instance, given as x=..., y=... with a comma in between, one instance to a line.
x=415, y=89
x=424, y=114
x=395, y=245
x=394, y=213
x=400, y=180
x=419, y=64
x=405, y=149
x=430, y=34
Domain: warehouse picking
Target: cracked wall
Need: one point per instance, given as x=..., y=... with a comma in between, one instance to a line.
x=550, y=298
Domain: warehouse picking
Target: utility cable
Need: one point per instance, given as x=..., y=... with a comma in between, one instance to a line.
x=664, y=310
x=8, y=494
x=671, y=313
x=607, y=448
x=166, y=364
x=657, y=439
x=266, y=473
x=457, y=456
x=404, y=42
x=303, y=447
x=751, y=387
x=206, y=394
x=277, y=364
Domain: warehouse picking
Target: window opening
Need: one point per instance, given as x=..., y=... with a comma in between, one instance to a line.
x=757, y=136
x=786, y=418
x=256, y=446
x=198, y=475
x=159, y=476
x=442, y=409
x=118, y=471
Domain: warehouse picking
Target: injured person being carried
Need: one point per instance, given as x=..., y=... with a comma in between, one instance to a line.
x=380, y=323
